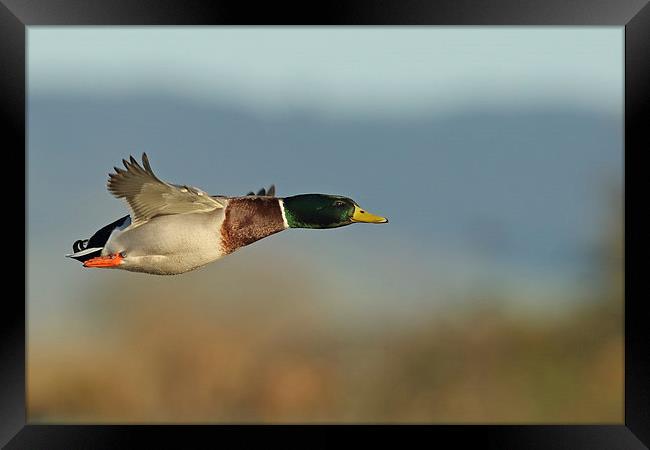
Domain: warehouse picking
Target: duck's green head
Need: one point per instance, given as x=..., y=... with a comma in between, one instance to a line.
x=325, y=211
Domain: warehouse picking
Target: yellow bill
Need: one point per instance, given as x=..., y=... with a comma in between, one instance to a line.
x=363, y=216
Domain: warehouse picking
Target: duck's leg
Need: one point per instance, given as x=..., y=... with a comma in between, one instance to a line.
x=105, y=261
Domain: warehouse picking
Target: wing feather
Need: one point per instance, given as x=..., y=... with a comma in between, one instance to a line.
x=148, y=196
x=270, y=192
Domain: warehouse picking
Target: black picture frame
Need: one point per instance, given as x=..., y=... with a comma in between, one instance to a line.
x=634, y=15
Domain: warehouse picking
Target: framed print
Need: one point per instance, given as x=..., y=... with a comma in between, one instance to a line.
x=220, y=159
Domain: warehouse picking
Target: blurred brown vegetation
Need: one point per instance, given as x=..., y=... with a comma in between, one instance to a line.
x=247, y=345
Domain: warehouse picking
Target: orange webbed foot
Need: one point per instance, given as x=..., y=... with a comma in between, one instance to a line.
x=104, y=261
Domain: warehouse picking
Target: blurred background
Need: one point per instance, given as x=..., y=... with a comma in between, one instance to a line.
x=494, y=295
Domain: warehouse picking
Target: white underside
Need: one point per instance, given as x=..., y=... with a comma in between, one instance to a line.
x=170, y=244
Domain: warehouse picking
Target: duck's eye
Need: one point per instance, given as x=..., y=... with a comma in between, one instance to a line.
x=339, y=203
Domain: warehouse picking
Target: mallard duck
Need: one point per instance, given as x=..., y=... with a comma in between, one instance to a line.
x=173, y=229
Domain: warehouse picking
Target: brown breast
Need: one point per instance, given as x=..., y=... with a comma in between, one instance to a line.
x=249, y=219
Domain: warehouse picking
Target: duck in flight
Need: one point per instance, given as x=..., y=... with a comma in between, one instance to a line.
x=177, y=228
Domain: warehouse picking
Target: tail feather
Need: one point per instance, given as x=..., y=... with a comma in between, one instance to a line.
x=85, y=254
x=85, y=249
x=79, y=245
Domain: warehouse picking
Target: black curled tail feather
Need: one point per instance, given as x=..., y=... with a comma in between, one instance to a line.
x=85, y=249
x=80, y=245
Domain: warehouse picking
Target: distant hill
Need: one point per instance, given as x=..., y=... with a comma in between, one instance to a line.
x=526, y=186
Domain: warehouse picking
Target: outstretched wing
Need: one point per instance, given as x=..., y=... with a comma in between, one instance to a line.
x=148, y=196
x=270, y=192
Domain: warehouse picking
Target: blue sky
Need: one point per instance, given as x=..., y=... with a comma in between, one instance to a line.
x=346, y=70
x=489, y=148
